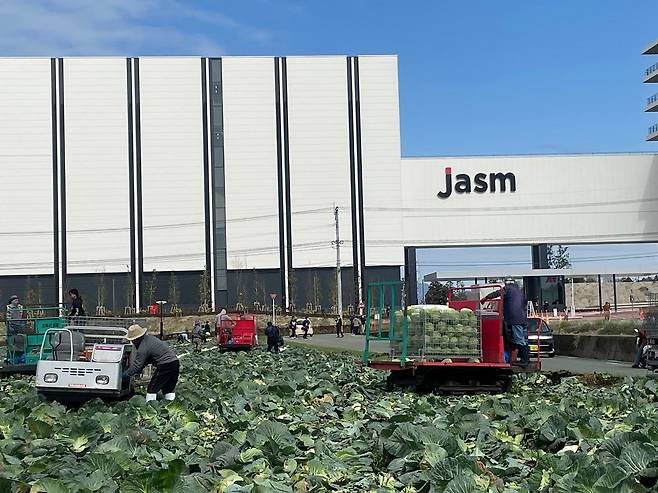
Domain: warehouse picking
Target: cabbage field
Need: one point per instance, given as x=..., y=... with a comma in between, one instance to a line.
x=309, y=421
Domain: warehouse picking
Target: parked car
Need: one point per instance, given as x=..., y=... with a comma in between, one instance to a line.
x=546, y=342
x=299, y=328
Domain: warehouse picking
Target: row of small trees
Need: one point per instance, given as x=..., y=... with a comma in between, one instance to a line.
x=256, y=292
x=33, y=293
x=173, y=297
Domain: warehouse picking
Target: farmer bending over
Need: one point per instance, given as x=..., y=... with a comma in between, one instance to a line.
x=151, y=350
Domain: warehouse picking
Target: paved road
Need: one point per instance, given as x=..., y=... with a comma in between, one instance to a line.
x=568, y=363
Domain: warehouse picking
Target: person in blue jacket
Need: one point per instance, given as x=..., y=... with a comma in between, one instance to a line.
x=515, y=317
x=272, y=334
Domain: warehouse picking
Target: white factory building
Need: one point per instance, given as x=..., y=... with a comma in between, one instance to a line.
x=113, y=168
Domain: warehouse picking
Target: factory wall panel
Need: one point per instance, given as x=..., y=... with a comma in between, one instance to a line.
x=319, y=159
x=97, y=174
x=380, y=138
x=26, y=169
x=172, y=164
x=558, y=199
x=250, y=154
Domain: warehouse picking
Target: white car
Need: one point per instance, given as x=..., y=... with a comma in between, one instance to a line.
x=299, y=330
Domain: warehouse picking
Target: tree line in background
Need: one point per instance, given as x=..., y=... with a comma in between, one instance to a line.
x=254, y=292
x=249, y=292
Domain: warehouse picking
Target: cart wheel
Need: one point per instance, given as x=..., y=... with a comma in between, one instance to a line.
x=390, y=385
x=505, y=384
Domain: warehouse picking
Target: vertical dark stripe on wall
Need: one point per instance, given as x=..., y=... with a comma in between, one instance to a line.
x=131, y=172
x=217, y=159
x=279, y=174
x=359, y=171
x=350, y=126
x=138, y=182
x=62, y=171
x=410, y=276
x=206, y=164
x=53, y=130
x=286, y=160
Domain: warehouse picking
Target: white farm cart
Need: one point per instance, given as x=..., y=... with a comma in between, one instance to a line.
x=81, y=362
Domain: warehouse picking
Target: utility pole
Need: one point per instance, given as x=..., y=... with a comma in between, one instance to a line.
x=338, y=243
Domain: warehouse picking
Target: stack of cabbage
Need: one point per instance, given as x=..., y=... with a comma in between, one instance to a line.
x=437, y=331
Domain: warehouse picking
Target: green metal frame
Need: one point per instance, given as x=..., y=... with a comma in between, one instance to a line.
x=382, y=287
x=33, y=324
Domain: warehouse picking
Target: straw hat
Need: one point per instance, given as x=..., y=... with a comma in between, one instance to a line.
x=135, y=332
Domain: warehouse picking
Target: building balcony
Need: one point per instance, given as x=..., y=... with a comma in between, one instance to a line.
x=652, y=49
x=651, y=74
x=652, y=104
x=653, y=134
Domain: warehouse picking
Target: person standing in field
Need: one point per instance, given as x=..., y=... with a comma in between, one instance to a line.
x=272, y=334
x=606, y=311
x=221, y=317
x=198, y=336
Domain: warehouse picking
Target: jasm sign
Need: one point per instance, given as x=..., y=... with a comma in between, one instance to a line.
x=480, y=183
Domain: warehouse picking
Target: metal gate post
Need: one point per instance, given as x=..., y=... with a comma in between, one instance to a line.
x=366, y=347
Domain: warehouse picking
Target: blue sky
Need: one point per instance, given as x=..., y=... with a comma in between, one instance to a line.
x=477, y=77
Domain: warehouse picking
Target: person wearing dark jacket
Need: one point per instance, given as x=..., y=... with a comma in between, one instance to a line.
x=151, y=350
x=15, y=320
x=293, y=328
x=77, y=310
x=641, y=340
x=306, y=324
x=272, y=334
x=339, y=327
x=515, y=318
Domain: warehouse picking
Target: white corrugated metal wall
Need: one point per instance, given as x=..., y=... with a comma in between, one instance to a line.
x=26, y=167
x=250, y=153
x=172, y=164
x=97, y=183
x=319, y=158
x=380, y=127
